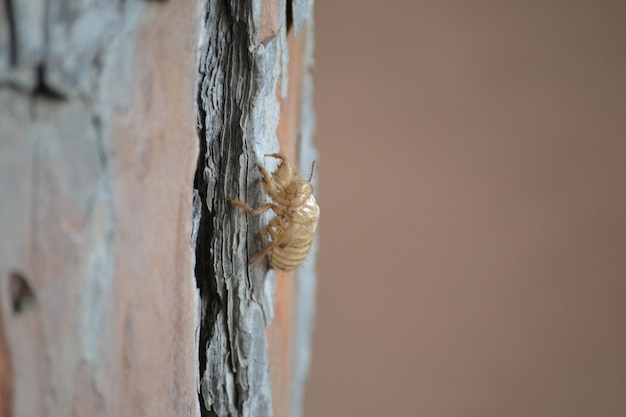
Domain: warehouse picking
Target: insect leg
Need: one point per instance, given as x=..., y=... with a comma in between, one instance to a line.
x=274, y=229
x=270, y=185
x=266, y=175
x=277, y=156
x=262, y=253
x=268, y=182
x=249, y=209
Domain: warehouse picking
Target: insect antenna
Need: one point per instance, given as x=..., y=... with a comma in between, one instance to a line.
x=311, y=174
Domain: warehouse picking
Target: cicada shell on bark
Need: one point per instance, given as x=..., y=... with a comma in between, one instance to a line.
x=291, y=231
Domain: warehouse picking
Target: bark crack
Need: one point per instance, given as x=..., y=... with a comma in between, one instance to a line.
x=237, y=116
x=43, y=89
x=10, y=13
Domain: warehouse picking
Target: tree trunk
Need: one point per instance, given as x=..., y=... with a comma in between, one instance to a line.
x=125, y=287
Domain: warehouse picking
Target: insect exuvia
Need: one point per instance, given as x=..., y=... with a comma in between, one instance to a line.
x=297, y=214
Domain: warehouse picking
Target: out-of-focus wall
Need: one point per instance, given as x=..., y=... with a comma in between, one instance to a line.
x=473, y=191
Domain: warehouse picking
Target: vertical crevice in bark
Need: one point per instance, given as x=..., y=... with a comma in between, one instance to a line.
x=233, y=351
x=10, y=14
x=289, y=15
x=205, y=274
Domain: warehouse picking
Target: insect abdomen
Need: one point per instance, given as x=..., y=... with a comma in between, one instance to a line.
x=290, y=256
x=294, y=243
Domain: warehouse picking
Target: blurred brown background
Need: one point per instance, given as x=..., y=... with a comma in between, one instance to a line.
x=472, y=179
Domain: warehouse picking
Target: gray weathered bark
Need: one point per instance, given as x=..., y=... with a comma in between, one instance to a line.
x=98, y=300
x=238, y=118
x=124, y=284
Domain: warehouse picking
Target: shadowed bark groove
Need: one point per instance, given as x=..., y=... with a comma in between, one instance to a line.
x=233, y=347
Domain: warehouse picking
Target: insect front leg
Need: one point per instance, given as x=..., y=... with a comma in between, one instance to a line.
x=271, y=188
x=266, y=175
x=268, y=183
x=277, y=156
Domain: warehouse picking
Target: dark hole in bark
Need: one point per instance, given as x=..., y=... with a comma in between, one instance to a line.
x=22, y=295
x=43, y=89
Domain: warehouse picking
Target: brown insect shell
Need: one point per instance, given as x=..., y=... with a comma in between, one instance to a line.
x=289, y=182
x=292, y=192
x=297, y=215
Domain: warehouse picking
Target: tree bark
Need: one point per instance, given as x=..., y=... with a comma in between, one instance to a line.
x=125, y=287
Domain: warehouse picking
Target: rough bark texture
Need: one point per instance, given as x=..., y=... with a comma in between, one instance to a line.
x=97, y=157
x=243, y=80
x=105, y=107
